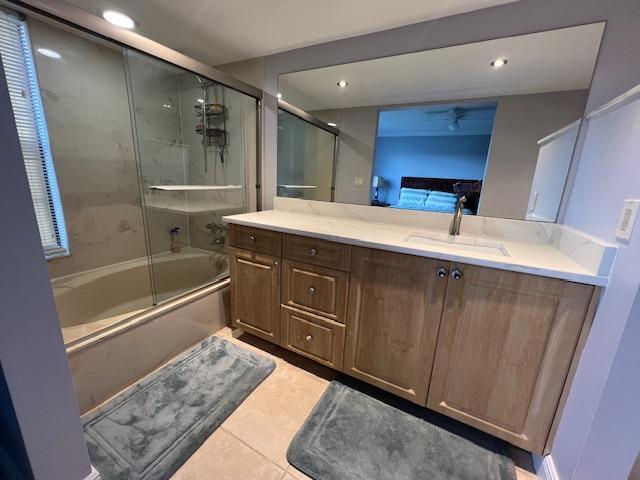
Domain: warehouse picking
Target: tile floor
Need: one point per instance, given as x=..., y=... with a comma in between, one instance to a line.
x=252, y=443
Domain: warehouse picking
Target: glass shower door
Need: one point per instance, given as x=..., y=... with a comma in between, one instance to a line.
x=194, y=137
x=305, y=159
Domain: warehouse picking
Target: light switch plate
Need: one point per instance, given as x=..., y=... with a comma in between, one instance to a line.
x=627, y=219
x=358, y=181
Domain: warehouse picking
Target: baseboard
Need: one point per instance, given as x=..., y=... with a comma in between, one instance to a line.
x=94, y=475
x=546, y=469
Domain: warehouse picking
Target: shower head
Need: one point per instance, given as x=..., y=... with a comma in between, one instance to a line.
x=204, y=84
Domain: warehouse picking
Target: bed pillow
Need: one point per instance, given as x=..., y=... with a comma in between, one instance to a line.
x=443, y=202
x=439, y=194
x=412, y=198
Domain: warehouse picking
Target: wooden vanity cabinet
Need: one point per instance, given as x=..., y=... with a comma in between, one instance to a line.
x=505, y=345
x=395, y=303
x=488, y=347
x=255, y=297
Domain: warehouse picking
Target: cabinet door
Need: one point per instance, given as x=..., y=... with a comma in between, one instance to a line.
x=505, y=344
x=395, y=303
x=255, y=293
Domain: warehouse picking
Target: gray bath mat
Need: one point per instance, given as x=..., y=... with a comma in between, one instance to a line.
x=150, y=429
x=353, y=436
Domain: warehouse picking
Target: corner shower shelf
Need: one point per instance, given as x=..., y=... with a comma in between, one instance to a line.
x=196, y=188
x=194, y=207
x=298, y=187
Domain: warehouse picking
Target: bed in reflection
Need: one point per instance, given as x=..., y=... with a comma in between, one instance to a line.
x=438, y=194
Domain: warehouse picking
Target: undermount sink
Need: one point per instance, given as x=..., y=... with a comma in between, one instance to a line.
x=459, y=243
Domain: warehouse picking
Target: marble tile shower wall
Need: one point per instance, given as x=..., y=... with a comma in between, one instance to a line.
x=87, y=111
x=163, y=153
x=227, y=169
x=95, y=98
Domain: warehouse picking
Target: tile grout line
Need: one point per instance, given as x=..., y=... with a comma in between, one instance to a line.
x=253, y=449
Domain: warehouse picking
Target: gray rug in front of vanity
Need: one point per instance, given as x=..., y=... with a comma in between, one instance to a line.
x=152, y=428
x=350, y=435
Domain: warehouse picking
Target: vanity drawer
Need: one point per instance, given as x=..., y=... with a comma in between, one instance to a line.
x=255, y=239
x=317, y=289
x=317, y=252
x=313, y=336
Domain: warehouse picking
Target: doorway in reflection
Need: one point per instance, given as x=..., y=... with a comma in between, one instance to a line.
x=425, y=155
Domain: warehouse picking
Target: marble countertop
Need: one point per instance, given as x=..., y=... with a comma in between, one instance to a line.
x=535, y=258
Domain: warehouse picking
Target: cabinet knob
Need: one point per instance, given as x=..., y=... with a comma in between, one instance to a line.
x=441, y=272
x=309, y=337
x=252, y=238
x=313, y=252
x=275, y=264
x=456, y=274
x=312, y=290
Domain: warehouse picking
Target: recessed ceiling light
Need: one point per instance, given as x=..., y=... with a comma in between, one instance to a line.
x=343, y=83
x=279, y=95
x=499, y=62
x=331, y=124
x=49, y=53
x=119, y=19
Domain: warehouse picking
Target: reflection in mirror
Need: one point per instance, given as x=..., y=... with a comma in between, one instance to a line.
x=495, y=121
x=305, y=159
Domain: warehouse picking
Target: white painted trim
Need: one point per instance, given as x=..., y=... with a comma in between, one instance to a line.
x=619, y=101
x=94, y=475
x=546, y=469
x=560, y=132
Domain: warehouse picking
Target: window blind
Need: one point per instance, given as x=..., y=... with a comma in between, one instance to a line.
x=19, y=69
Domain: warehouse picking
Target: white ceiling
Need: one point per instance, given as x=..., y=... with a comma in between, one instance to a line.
x=555, y=60
x=223, y=31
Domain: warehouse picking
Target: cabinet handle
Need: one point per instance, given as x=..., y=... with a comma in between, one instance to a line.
x=441, y=272
x=456, y=274
x=313, y=252
x=309, y=337
x=275, y=264
x=252, y=238
x=312, y=290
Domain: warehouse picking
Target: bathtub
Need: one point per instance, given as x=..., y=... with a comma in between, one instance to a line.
x=91, y=302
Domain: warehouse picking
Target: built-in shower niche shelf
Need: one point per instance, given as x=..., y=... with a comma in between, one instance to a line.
x=196, y=188
x=195, y=207
x=298, y=187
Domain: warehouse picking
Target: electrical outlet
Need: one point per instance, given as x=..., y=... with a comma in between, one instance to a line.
x=358, y=181
x=627, y=219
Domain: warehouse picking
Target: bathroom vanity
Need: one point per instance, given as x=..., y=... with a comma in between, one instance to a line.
x=482, y=330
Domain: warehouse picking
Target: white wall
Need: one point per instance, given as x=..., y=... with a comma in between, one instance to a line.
x=552, y=167
x=614, y=437
x=32, y=354
x=608, y=174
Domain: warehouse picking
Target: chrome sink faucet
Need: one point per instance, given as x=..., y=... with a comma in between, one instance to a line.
x=454, y=229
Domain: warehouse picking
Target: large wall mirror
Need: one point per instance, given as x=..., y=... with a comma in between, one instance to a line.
x=495, y=121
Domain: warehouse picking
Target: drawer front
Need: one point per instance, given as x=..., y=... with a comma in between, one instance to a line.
x=256, y=239
x=316, y=289
x=313, y=336
x=317, y=252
